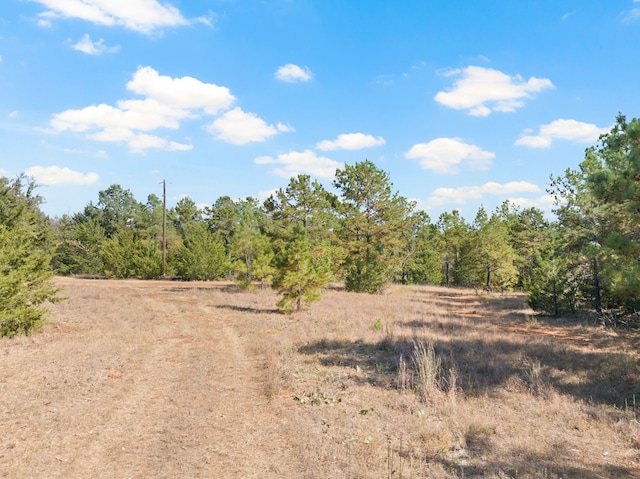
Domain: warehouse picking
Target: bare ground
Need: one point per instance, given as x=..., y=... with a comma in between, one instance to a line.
x=137, y=379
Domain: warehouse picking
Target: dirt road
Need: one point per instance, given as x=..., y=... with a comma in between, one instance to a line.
x=167, y=389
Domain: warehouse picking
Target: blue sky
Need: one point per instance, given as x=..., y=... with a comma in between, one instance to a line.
x=463, y=103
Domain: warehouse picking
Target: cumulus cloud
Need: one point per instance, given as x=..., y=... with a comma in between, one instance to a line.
x=88, y=46
x=350, y=141
x=184, y=93
x=291, y=73
x=143, y=16
x=301, y=162
x=443, y=155
x=167, y=102
x=54, y=175
x=483, y=90
x=561, y=129
x=238, y=127
x=460, y=195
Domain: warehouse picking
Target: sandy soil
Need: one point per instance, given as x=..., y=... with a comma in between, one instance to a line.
x=141, y=383
x=162, y=379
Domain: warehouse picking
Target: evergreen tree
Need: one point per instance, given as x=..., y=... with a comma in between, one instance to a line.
x=489, y=256
x=423, y=253
x=27, y=243
x=373, y=222
x=251, y=251
x=614, y=180
x=528, y=230
x=306, y=205
x=223, y=218
x=454, y=230
x=553, y=286
x=300, y=273
x=202, y=255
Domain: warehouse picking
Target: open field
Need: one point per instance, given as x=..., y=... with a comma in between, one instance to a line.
x=144, y=379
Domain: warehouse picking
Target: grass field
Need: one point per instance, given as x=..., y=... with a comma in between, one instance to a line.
x=160, y=379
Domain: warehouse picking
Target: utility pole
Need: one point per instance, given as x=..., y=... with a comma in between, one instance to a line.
x=164, y=228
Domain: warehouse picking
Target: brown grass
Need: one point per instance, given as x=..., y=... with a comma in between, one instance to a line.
x=162, y=379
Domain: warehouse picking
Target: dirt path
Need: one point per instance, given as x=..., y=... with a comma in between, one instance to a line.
x=168, y=391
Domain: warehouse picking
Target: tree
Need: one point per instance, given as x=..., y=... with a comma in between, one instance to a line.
x=528, y=232
x=454, y=229
x=250, y=248
x=202, y=255
x=613, y=178
x=116, y=210
x=489, y=255
x=373, y=222
x=423, y=252
x=80, y=247
x=584, y=222
x=302, y=205
x=26, y=249
x=552, y=285
x=300, y=273
x=223, y=218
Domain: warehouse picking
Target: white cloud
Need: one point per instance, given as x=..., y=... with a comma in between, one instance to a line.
x=88, y=46
x=238, y=127
x=561, y=129
x=138, y=142
x=167, y=102
x=460, y=195
x=183, y=93
x=545, y=202
x=631, y=15
x=350, y=141
x=54, y=175
x=264, y=195
x=443, y=155
x=139, y=15
x=143, y=115
x=295, y=163
x=291, y=73
x=483, y=90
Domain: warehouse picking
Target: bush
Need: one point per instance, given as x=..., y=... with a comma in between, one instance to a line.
x=26, y=251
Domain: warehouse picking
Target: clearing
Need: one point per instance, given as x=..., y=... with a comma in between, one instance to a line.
x=141, y=379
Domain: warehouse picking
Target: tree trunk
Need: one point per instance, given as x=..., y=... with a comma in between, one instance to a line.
x=596, y=285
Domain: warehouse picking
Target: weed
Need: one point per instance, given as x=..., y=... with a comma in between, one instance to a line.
x=428, y=369
x=377, y=325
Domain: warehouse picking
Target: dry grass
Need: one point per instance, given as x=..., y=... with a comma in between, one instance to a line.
x=160, y=379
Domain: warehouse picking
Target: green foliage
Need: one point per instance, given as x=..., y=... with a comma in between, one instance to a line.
x=373, y=223
x=250, y=249
x=26, y=250
x=489, y=256
x=454, y=230
x=597, y=208
x=422, y=253
x=299, y=272
x=552, y=287
x=202, y=256
x=79, y=251
x=125, y=256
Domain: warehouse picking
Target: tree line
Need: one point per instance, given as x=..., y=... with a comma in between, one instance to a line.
x=366, y=235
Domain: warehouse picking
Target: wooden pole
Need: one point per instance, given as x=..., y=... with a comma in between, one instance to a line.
x=164, y=228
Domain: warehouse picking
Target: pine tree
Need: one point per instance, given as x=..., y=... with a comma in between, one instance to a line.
x=302, y=204
x=300, y=273
x=26, y=251
x=373, y=222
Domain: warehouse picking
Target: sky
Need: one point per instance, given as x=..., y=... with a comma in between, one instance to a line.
x=464, y=103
